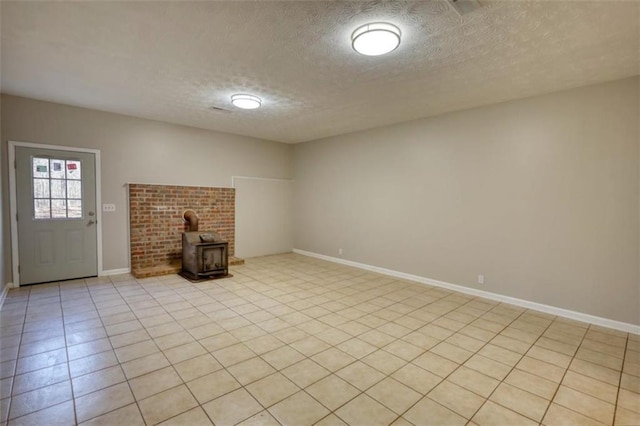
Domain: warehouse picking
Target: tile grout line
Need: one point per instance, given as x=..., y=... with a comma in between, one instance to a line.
x=19, y=347
x=192, y=305
x=67, y=353
x=470, y=300
x=334, y=347
x=66, y=349
x=161, y=351
x=624, y=357
x=461, y=364
x=513, y=368
x=135, y=400
x=116, y=356
x=15, y=368
x=539, y=337
x=590, y=377
x=288, y=344
x=536, y=339
x=363, y=392
x=278, y=288
x=285, y=344
x=225, y=368
x=199, y=404
x=564, y=374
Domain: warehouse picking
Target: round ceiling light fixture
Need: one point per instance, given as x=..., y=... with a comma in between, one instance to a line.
x=246, y=101
x=376, y=38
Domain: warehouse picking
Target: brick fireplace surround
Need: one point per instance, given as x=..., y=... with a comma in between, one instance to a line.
x=156, y=224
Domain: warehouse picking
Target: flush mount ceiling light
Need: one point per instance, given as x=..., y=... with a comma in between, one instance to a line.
x=375, y=39
x=245, y=101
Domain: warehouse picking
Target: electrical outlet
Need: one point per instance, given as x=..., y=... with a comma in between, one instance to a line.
x=108, y=207
x=480, y=279
x=340, y=251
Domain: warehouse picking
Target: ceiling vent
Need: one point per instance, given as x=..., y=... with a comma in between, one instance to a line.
x=219, y=109
x=464, y=7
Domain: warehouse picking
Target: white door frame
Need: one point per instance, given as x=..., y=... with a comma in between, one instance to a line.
x=13, y=208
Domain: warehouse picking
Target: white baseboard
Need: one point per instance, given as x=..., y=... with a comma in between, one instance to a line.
x=115, y=272
x=5, y=291
x=578, y=316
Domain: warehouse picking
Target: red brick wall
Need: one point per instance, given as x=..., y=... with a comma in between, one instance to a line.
x=156, y=222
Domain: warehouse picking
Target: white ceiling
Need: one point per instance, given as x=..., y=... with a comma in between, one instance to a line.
x=171, y=61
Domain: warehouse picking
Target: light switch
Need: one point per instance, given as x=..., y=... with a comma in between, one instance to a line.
x=108, y=207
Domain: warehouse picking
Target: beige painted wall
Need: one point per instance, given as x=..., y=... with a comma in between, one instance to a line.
x=264, y=217
x=4, y=254
x=140, y=151
x=540, y=195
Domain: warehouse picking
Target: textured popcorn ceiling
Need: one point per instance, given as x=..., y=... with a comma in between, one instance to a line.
x=171, y=61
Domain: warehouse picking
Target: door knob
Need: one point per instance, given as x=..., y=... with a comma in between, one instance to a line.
x=91, y=222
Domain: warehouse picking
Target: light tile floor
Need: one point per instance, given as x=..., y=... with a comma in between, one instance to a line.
x=293, y=340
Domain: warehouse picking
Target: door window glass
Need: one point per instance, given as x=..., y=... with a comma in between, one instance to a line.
x=57, y=188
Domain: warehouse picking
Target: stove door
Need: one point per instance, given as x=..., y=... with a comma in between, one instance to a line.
x=213, y=258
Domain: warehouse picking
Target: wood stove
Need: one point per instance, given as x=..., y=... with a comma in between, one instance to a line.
x=204, y=255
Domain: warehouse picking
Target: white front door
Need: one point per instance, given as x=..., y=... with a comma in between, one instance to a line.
x=56, y=213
